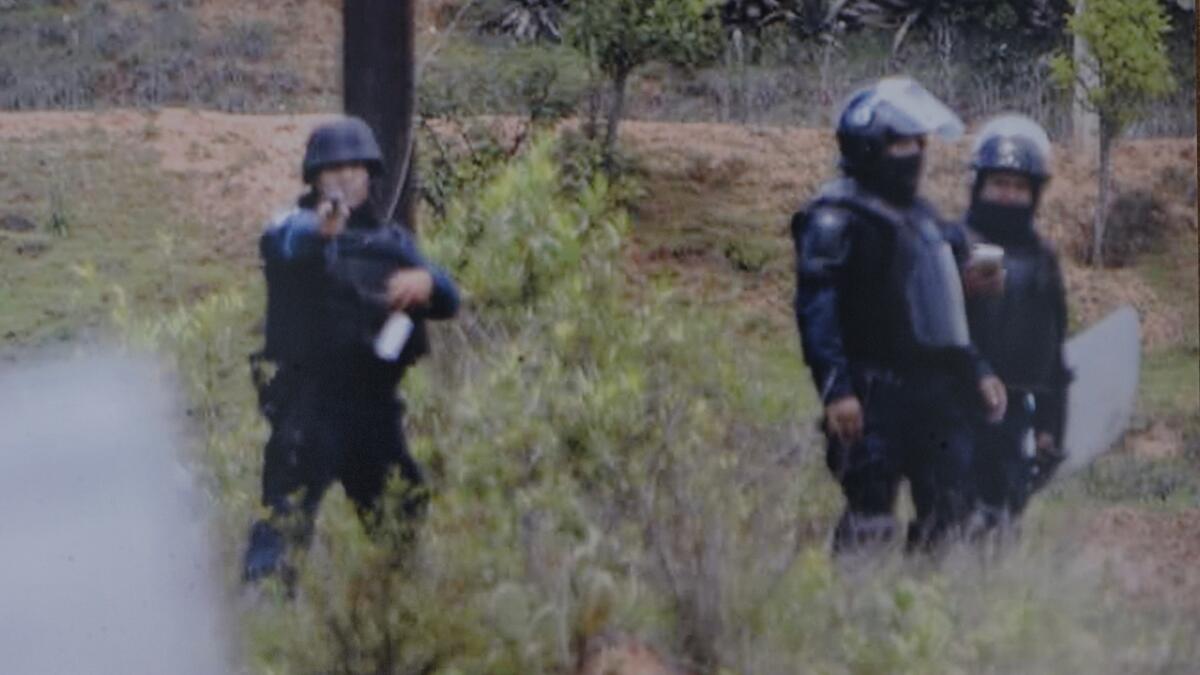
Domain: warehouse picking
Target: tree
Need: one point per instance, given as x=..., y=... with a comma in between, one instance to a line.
x=618, y=36
x=1127, y=70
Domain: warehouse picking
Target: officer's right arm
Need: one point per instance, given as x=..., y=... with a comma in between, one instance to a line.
x=822, y=242
x=294, y=237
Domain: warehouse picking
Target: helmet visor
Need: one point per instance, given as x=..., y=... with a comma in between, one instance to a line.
x=906, y=108
x=1015, y=126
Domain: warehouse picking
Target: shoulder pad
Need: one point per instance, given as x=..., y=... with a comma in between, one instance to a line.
x=823, y=237
x=281, y=218
x=829, y=217
x=819, y=215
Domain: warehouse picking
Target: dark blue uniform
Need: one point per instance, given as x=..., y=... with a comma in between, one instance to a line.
x=880, y=312
x=1021, y=333
x=332, y=404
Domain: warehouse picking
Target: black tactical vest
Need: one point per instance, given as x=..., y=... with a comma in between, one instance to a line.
x=908, y=292
x=323, y=315
x=1019, y=332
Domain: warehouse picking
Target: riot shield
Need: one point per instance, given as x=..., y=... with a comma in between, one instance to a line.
x=1106, y=360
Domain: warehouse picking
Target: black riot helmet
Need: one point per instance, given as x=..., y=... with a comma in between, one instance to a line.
x=1013, y=143
x=339, y=142
x=893, y=107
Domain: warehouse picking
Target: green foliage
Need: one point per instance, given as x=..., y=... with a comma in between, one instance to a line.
x=105, y=222
x=1130, y=69
x=450, y=165
x=539, y=82
x=620, y=35
x=605, y=457
x=1127, y=69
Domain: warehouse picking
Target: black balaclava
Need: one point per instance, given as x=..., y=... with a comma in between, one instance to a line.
x=896, y=179
x=1009, y=226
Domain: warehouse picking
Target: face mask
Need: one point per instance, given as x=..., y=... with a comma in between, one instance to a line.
x=896, y=178
x=1002, y=224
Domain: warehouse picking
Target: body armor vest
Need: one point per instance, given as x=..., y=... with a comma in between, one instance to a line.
x=1018, y=332
x=923, y=281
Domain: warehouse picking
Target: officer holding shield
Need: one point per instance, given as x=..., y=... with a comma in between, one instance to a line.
x=1017, y=312
x=347, y=298
x=879, y=304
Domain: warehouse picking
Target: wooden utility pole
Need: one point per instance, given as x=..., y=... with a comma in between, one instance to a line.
x=378, y=85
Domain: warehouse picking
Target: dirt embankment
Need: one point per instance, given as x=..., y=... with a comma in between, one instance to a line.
x=707, y=184
x=1150, y=553
x=714, y=177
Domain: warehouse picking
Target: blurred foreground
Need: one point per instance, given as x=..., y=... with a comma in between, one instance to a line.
x=107, y=561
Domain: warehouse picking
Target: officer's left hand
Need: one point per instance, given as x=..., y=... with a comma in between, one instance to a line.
x=409, y=288
x=995, y=398
x=983, y=280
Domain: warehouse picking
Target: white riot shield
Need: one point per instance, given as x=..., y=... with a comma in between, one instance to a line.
x=1106, y=360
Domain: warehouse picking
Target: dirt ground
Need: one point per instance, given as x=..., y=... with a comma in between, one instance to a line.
x=1150, y=552
x=769, y=172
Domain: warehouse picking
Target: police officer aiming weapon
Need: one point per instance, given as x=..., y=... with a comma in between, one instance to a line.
x=339, y=282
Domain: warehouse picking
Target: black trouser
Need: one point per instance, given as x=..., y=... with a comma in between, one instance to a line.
x=916, y=426
x=334, y=429
x=1004, y=464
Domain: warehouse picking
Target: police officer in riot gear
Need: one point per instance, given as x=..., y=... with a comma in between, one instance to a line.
x=879, y=304
x=1018, y=316
x=336, y=274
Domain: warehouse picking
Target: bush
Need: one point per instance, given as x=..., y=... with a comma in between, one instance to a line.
x=611, y=458
x=1137, y=224
x=538, y=82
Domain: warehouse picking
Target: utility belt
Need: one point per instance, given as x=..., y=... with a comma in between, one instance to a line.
x=277, y=387
x=925, y=378
x=936, y=366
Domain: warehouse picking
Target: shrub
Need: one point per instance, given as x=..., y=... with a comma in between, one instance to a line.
x=611, y=458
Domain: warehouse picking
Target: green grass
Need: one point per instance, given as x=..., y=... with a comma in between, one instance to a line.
x=532, y=429
x=1170, y=385
x=124, y=237
x=1172, y=273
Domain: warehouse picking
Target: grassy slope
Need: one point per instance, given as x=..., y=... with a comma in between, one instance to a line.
x=119, y=223
x=127, y=219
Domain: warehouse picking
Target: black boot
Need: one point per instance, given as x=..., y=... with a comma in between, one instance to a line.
x=265, y=554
